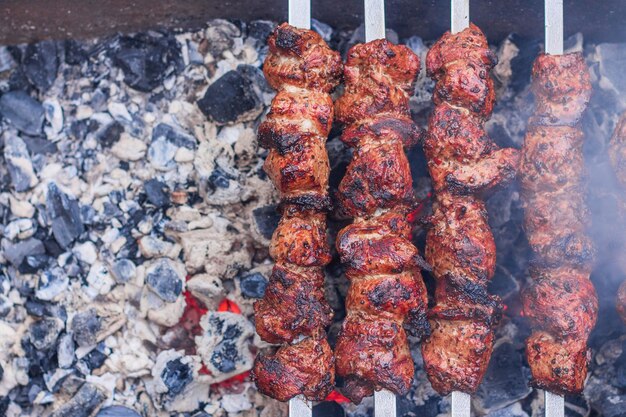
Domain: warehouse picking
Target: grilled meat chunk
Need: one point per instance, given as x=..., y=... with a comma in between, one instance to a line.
x=560, y=301
x=386, y=290
x=465, y=165
x=304, y=70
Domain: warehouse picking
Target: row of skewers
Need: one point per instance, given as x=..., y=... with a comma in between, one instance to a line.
x=387, y=297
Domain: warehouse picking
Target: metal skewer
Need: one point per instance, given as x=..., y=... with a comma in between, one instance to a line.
x=384, y=401
x=459, y=20
x=300, y=16
x=554, y=405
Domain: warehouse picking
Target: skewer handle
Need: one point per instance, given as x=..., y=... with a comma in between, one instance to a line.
x=554, y=26
x=459, y=16
x=374, y=20
x=384, y=404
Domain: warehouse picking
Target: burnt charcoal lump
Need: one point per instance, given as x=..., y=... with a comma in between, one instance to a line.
x=165, y=281
x=155, y=191
x=40, y=63
x=231, y=99
x=86, y=326
x=176, y=376
x=117, y=411
x=24, y=112
x=65, y=216
x=174, y=135
x=16, y=253
x=85, y=402
x=44, y=333
x=253, y=285
x=18, y=161
x=266, y=219
x=147, y=60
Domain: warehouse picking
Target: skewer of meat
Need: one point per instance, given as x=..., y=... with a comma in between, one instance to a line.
x=303, y=69
x=386, y=290
x=560, y=302
x=465, y=165
x=617, y=155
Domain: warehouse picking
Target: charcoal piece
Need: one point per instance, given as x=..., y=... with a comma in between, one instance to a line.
x=266, y=219
x=219, y=179
x=40, y=63
x=261, y=29
x=33, y=263
x=161, y=154
x=52, y=283
x=253, y=285
x=5, y=306
x=612, y=406
x=84, y=402
x=64, y=213
x=18, y=161
x=65, y=350
x=24, y=112
x=220, y=35
x=165, y=281
x=230, y=99
x=156, y=193
x=328, y=409
x=110, y=134
x=176, y=376
x=175, y=135
x=123, y=270
x=223, y=345
x=75, y=52
x=39, y=146
x=15, y=253
x=147, y=60
x=94, y=359
x=117, y=411
x=44, y=333
x=505, y=380
x=86, y=326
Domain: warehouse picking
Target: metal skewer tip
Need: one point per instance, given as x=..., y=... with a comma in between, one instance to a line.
x=384, y=404
x=461, y=404
x=554, y=405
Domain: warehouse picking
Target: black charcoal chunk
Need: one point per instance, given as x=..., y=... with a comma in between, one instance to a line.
x=52, y=283
x=117, y=411
x=176, y=376
x=123, y=270
x=261, y=29
x=266, y=219
x=44, y=333
x=18, y=161
x=165, y=281
x=24, y=112
x=94, y=359
x=328, y=409
x=75, y=52
x=40, y=63
x=85, y=402
x=64, y=213
x=39, y=146
x=86, y=326
x=156, y=193
x=110, y=134
x=174, y=135
x=16, y=253
x=220, y=35
x=147, y=60
x=231, y=98
x=253, y=285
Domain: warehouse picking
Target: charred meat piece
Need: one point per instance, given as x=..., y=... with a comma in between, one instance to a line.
x=304, y=70
x=386, y=290
x=617, y=155
x=465, y=165
x=560, y=301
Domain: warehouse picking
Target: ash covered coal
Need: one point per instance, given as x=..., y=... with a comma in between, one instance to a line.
x=136, y=217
